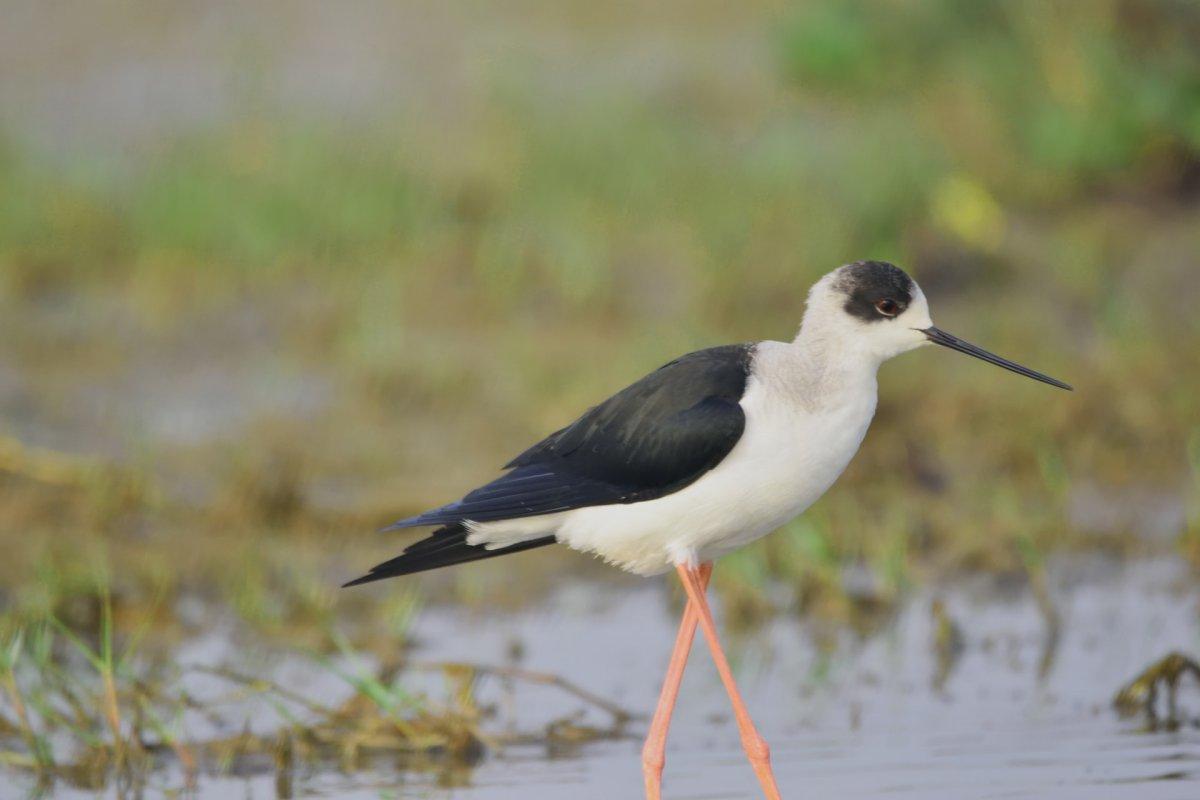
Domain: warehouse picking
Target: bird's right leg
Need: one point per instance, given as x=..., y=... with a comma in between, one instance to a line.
x=655, y=749
x=752, y=742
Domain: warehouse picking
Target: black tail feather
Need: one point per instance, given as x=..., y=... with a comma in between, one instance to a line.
x=442, y=548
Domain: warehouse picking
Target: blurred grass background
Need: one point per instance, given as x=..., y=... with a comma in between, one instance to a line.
x=273, y=274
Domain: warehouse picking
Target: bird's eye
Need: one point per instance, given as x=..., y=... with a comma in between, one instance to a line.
x=887, y=307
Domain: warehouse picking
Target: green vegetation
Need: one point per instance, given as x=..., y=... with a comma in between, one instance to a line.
x=1065, y=99
x=236, y=353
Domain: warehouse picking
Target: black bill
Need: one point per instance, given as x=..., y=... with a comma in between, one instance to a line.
x=939, y=336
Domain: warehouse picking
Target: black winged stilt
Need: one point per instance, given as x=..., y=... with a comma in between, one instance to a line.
x=703, y=455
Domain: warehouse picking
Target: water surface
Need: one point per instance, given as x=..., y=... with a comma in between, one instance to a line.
x=874, y=716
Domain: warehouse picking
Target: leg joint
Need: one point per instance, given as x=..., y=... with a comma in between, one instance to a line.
x=757, y=748
x=654, y=754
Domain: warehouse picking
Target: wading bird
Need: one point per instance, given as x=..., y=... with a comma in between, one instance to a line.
x=703, y=455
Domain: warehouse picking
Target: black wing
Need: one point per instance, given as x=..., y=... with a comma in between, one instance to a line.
x=442, y=548
x=648, y=440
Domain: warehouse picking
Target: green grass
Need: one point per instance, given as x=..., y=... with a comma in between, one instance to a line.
x=1077, y=96
x=404, y=268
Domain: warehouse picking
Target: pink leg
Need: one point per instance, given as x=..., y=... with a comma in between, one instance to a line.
x=752, y=742
x=654, y=750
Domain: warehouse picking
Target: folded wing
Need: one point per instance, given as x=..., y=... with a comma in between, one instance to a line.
x=650, y=439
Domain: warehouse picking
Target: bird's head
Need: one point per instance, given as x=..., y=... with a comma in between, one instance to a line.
x=876, y=309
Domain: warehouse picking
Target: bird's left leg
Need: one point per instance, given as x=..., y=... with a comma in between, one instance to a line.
x=752, y=742
x=655, y=748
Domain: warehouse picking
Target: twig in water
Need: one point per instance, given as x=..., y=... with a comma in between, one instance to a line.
x=619, y=715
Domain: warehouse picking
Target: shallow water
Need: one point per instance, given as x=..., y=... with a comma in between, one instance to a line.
x=862, y=718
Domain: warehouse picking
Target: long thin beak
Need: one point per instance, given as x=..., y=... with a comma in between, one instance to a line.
x=939, y=336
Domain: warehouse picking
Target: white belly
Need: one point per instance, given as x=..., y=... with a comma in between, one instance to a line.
x=787, y=457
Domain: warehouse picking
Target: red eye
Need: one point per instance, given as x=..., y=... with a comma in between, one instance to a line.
x=887, y=307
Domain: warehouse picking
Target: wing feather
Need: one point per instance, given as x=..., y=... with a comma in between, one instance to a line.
x=648, y=440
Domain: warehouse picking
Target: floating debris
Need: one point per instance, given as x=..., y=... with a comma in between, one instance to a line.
x=948, y=643
x=1141, y=694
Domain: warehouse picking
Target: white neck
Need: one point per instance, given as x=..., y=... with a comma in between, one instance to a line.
x=834, y=344
x=819, y=368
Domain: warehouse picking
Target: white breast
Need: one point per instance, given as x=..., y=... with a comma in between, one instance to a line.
x=791, y=451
